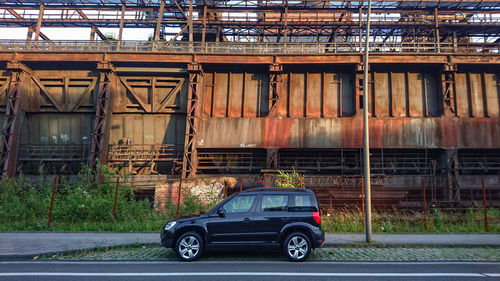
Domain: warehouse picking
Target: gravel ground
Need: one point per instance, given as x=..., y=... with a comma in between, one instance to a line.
x=153, y=253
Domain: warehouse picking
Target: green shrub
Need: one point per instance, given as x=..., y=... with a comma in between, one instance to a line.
x=292, y=179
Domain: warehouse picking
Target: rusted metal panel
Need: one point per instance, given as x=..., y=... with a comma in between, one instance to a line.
x=415, y=89
x=432, y=99
x=147, y=129
x=492, y=84
x=263, y=108
x=314, y=93
x=236, y=88
x=331, y=90
x=347, y=133
x=207, y=99
x=296, y=100
x=476, y=94
x=398, y=94
x=221, y=83
x=479, y=133
x=49, y=128
x=381, y=94
x=462, y=94
x=252, y=94
x=319, y=131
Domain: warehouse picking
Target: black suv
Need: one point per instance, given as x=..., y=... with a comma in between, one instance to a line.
x=278, y=218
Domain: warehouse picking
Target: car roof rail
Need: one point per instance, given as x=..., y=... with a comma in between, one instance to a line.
x=290, y=189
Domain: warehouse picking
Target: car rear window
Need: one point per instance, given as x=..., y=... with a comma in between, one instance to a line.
x=303, y=203
x=274, y=203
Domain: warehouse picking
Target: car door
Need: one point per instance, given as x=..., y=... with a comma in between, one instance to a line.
x=270, y=217
x=235, y=225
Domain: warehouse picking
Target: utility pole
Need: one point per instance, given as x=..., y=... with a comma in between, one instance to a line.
x=366, y=136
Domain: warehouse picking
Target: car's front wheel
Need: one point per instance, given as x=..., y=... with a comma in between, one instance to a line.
x=189, y=246
x=297, y=246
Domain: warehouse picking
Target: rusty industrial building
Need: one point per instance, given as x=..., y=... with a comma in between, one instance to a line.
x=249, y=87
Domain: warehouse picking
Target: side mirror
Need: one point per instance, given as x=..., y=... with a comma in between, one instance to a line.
x=221, y=212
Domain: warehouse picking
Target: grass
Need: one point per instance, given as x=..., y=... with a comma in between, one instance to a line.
x=470, y=220
x=87, y=206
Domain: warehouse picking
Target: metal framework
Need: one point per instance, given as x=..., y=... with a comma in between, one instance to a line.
x=281, y=70
x=265, y=21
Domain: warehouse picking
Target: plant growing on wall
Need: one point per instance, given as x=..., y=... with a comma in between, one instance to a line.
x=288, y=179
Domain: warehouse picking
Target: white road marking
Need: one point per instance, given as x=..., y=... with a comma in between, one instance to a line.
x=248, y=262
x=295, y=274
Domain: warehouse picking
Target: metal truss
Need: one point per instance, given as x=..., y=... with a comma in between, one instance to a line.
x=266, y=21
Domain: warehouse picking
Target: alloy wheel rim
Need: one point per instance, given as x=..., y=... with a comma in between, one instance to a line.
x=189, y=247
x=297, y=247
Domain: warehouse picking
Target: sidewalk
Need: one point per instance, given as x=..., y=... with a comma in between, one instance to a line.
x=25, y=245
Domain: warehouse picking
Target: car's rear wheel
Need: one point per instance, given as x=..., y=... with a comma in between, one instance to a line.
x=297, y=246
x=189, y=246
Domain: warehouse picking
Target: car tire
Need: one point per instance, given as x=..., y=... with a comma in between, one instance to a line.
x=189, y=246
x=297, y=247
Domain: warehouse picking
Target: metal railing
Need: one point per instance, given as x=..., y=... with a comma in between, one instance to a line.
x=248, y=48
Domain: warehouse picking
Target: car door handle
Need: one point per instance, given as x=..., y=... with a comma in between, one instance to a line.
x=285, y=219
x=246, y=220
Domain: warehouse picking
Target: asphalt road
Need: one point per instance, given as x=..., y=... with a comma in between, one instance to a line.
x=246, y=270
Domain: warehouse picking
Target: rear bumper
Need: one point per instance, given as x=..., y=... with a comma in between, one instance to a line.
x=318, y=237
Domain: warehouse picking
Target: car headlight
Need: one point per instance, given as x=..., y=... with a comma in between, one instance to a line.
x=169, y=225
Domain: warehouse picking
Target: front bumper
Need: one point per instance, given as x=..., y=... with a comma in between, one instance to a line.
x=167, y=239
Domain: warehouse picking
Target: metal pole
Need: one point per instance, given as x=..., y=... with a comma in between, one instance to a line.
x=179, y=196
x=485, y=205
x=424, y=203
x=52, y=201
x=241, y=183
x=366, y=142
x=116, y=197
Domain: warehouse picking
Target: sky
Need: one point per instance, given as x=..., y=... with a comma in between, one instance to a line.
x=56, y=33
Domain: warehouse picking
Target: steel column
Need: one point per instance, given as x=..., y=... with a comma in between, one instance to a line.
x=13, y=118
x=100, y=133
x=448, y=90
x=275, y=79
x=195, y=91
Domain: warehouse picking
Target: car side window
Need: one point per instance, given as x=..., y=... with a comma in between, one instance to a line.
x=239, y=204
x=274, y=203
x=303, y=203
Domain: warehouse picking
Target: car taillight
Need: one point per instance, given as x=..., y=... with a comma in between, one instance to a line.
x=317, y=217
